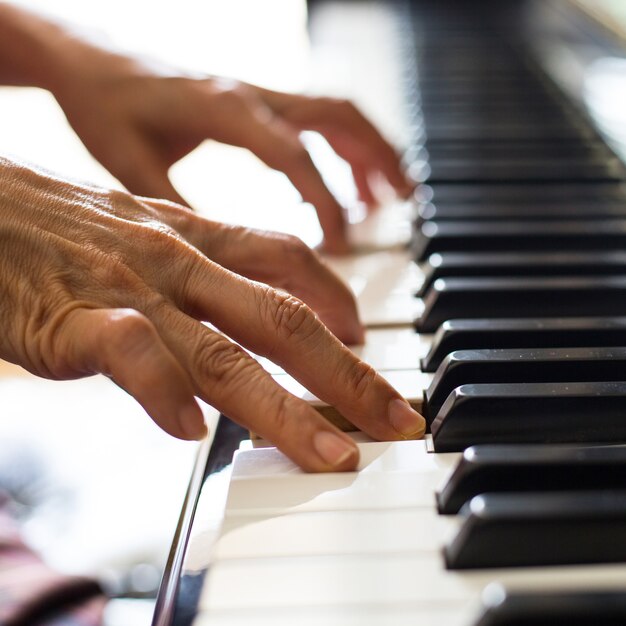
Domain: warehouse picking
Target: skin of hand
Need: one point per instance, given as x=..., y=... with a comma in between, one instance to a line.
x=138, y=118
x=99, y=281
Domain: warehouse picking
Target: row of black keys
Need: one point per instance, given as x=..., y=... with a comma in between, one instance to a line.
x=502, y=257
x=537, y=506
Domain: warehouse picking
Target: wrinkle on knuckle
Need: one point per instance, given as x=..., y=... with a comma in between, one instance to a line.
x=128, y=333
x=221, y=364
x=290, y=317
x=282, y=408
x=359, y=378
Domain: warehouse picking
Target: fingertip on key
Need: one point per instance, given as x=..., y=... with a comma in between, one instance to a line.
x=337, y=452
x=407, y=422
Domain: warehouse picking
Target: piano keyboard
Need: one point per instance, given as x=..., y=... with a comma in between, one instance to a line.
x=505, y=323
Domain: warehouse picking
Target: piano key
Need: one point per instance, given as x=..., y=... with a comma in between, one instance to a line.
x=531, y=413
x=477, y=170
x=332, y=532
x=516, y=297
x=458, y=264
x=532, y=365
x=341, y=616
x=383, y=283
x=466, y=236
x=503, y=608
x=518, y=192
x=385, y=349
x=544, y=210
x=409, y=384
x=539, y=529
x=474, y=334
x=506, y=132
x=535, y=468
x=392, y=475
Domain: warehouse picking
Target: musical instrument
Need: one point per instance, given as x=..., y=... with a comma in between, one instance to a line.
x=513, y=509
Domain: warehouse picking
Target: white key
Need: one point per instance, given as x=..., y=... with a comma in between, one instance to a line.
x=444, y=614
x=392, y=475
x=384, y=349
x=410, y=384
x=384, y=284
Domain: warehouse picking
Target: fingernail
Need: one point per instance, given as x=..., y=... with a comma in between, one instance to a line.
x=192, y=422
x=332, y=448
x=409, y=423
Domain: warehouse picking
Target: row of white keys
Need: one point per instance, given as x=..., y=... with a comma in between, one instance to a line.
x=339, y=543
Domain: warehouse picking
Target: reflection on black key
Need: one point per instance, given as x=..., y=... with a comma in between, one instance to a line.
x=522, y=468
x=531, y=413
x=528, y=170
x=475, y=334
x=489, y=193
x=503, y=608
x=533, y=365
x=531, y=211
x=450, y=298
x=459, y=264
x=535, y=529
x=506, y=236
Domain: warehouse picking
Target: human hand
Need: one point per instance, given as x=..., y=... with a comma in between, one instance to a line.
x=138, y=121
x=99, y=281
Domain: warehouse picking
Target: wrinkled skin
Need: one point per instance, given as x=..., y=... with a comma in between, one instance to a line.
x=99, y=281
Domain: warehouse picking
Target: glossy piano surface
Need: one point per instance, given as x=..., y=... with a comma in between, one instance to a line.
x=487, y=126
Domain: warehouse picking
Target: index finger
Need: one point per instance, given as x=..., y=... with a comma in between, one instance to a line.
x=282, y=328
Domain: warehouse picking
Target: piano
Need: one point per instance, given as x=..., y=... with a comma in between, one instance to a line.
x=499, y=297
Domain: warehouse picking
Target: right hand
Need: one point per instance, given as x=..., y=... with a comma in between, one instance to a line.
x=99, y=281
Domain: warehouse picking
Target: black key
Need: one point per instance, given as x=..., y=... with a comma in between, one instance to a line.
x=531, y=413
x=522, y=193
x=459, y=264
x=521, y=149
x=551, y=210
x=537, y=529
x=507, y=236
x=464, y=334
x=535, y=365
x=511, y=468
x=598, y=608
x=506, y=131
x=509, y=169
x=450, y=298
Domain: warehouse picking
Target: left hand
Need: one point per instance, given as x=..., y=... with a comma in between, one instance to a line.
x=138, y=121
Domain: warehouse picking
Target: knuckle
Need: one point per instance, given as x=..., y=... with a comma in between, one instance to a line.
x=128, y=331
x=359, y=377
x=295, y=251
x=291, y=318
x=129, y=328
x=282, y=411
x=221, y=363
x=229, y=94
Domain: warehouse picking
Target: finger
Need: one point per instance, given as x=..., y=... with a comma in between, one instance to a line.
x=125, y=345
x=279, y=260
x=363, y=186
x=342, y=124
x=235, y=384
x=279, y=146
x=282, y=328
x=139, y=168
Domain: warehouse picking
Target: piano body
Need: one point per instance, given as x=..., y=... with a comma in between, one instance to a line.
x=513, y=510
